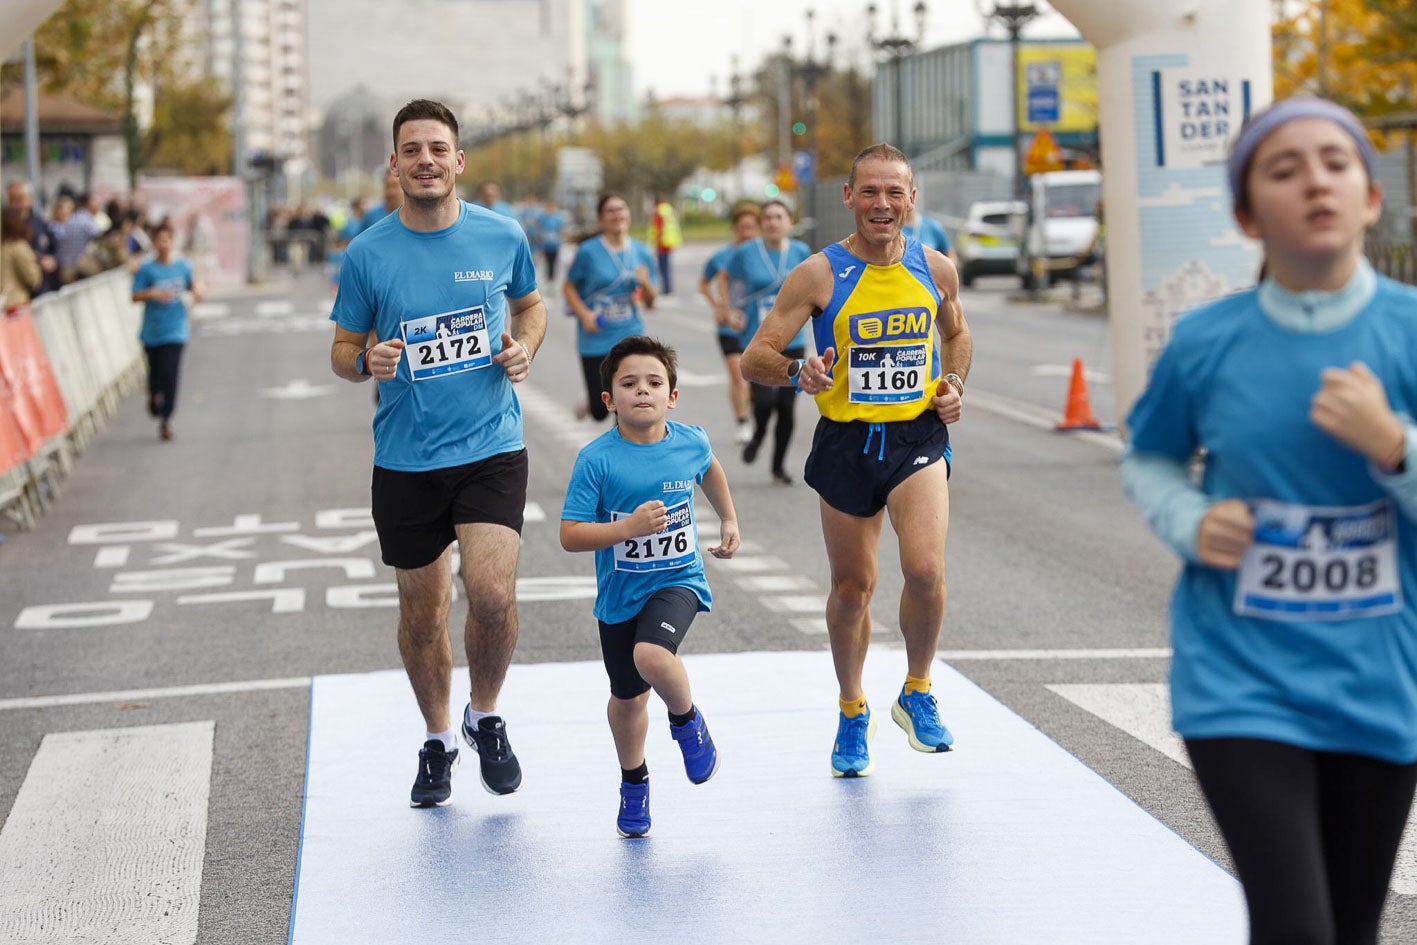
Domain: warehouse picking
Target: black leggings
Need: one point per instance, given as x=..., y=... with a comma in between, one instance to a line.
x=1313, y=835
x=779, y=400
x=164, y=361
x=590, y=366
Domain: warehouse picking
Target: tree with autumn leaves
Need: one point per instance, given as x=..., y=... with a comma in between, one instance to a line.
x=101, y=51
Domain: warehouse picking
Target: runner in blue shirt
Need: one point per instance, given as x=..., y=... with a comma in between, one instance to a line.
x=753, y=277
x=609, y=280
x=930, y=232
x=730, y=320
x=159, y=284
x=551, y=223
x=1294, y=680
x=449, y=291
x=631, y=501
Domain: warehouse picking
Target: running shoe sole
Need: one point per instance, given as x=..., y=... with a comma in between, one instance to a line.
x=902, y=718
x=871, y=766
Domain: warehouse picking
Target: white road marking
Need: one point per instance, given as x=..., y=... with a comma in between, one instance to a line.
x=1036, y=416
x=144, y=695
x=206, y=310
x=112, y=556
x=796, y=603
x=750, y=563
x=273, y=307
x=297, y=389
x=1140, y=653
x=776, y=583
x=817, y=626
x=106, y=838
x=1143, y=710
x=1066, y=370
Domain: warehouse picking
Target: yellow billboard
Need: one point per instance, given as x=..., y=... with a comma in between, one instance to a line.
x=1057, y=87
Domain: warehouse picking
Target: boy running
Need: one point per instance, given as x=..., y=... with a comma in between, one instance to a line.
x=631, y=501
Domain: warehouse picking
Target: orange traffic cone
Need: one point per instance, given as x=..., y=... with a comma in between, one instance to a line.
x=1078, y=415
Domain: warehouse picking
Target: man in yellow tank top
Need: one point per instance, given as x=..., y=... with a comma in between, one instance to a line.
x=894, y=350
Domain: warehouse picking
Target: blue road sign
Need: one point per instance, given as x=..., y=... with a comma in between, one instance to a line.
x=804, y=166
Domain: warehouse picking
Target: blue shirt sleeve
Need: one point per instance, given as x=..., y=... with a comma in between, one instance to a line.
x=353, y=308
x=1163, y=418
x=647, y=259
x=188, y=274
x=580, y=268
x=582, y=492
x=523, y=281
x=143, y=278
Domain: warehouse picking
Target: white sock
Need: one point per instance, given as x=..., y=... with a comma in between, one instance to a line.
x=471, y=716
x=447, y=738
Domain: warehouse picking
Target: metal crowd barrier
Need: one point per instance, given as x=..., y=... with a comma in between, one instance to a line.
x=89, y=331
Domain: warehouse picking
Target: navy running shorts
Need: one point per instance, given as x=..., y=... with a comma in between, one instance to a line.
x=415, y=512
x=729, y=344
x=854, y=465
x=664, y=620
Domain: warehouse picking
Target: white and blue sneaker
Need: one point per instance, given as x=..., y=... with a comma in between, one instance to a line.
x=700, y=754
x=917, y=714
x=851, y=755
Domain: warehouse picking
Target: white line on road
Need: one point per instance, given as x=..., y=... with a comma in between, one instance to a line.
x=1143, y=710
x=1140, y=653
x=1036, y=416
x=144, y=695
x=106, y=839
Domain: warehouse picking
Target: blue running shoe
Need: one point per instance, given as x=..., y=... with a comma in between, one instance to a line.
x=916, y=713
x=633, y=819
x=700, y=755
x=851, y=755
x=434, y=785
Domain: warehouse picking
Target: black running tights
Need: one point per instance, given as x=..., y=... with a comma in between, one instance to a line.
x=779, y=400
x=1313, y=835
x=590, y=367
x=164, y=362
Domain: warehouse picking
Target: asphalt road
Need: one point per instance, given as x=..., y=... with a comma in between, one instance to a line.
x=240, y=553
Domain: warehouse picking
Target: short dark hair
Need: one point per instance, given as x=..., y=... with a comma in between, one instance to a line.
x=778, y=203
x=163, y=227
x=885, y=152
x=747, y=210
x=605, y=198
x=424, y=108
x=638, y=344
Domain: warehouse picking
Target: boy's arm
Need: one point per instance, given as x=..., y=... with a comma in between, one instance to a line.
x=715, y=486
x=649, y=518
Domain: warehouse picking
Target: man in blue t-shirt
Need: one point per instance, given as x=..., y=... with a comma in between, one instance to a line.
x=159, y=284
x=930, y=232
x=551, y=225
x=449, y=291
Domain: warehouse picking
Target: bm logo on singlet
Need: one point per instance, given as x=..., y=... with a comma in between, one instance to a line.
x=871, y=327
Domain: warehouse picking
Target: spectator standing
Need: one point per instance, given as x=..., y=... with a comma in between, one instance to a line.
x=72, y=235
x=665, y=237
x=20, y=273
x=20, y=195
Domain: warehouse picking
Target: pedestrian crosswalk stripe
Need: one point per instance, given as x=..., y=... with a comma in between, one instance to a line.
x=106, y=839
x=1143, y=710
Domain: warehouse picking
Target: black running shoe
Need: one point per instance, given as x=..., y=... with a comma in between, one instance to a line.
x=434, y=785
x=501, y=772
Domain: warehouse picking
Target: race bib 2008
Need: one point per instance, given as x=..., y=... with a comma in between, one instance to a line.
x=437, y=345
x=1320, y=563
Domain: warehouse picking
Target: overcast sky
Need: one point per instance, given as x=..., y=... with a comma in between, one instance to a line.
x=676, y=46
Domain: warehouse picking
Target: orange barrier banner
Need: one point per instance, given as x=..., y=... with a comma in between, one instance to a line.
x=12, y=444
x=32, y=394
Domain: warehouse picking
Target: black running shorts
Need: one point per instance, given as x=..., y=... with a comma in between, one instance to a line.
x=853, y=466
x=414, y=512
x=729, y=344
x=664, y=620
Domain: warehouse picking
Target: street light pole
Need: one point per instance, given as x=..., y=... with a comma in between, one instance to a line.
x=897, y=46
x=734, y=103
x=812, y=71
x=1015, y=16
x=784, y=107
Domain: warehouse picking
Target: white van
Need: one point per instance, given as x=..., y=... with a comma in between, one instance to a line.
x=1064, y=222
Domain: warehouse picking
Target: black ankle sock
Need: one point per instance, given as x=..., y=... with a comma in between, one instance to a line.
x=635, y=775
x=681, y=719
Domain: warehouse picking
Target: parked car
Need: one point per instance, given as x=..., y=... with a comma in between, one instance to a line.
x=987, y=243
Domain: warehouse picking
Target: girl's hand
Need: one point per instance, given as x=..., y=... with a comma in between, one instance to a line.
x=728, y=540
x=1225, y=533
x=1352, y=407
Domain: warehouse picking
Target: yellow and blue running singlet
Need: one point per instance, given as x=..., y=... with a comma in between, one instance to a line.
x=881, y=322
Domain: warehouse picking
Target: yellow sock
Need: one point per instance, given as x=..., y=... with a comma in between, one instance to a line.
x=852, y=707
x=916, y=684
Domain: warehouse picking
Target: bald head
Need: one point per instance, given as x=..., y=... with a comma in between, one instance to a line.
x=19, y=193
